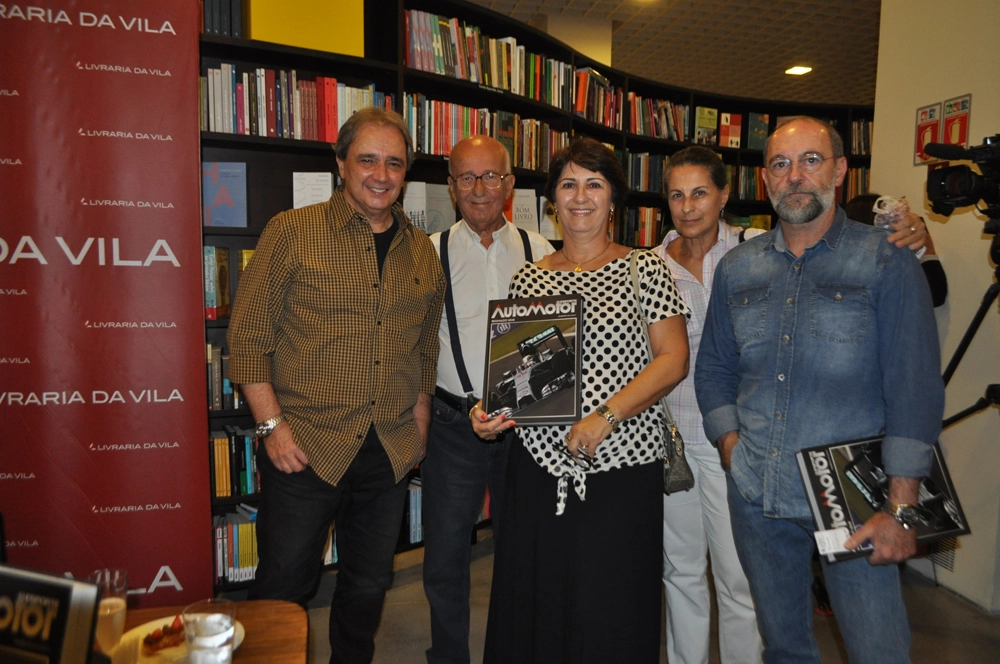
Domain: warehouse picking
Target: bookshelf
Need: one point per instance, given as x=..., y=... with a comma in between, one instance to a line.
x=532, y=116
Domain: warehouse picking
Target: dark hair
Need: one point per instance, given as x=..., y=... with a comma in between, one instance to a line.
x=376, y=116
x=835, y=140
x=861, y=208
x=594, y=156
x=698, y=155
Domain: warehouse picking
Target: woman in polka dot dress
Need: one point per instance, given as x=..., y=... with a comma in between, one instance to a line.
x=576, y=575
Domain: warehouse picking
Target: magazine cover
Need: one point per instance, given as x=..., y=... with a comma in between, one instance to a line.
x=45, y=618
x=532, y=359
x=846, y=486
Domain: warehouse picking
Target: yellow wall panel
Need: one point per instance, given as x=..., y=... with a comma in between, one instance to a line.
x=336, y=26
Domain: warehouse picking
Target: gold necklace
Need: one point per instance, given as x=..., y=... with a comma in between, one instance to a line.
x=579, y=266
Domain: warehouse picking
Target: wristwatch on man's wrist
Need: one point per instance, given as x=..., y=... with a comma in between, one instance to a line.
x=265, y=427
x=904, y=513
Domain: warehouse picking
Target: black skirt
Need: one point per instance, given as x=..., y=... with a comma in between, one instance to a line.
x=583, y=586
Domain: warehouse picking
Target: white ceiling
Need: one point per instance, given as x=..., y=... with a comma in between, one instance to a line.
x=735, y=48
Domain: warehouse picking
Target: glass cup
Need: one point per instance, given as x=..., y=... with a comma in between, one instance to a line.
x=111, y=611
x=209, y=628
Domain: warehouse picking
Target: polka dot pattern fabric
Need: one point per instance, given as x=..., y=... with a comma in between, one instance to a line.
x=614, y=352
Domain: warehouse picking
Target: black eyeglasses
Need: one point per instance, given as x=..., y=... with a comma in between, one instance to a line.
x=491, y=180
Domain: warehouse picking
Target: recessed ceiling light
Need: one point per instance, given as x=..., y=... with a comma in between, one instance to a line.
x=798, y=70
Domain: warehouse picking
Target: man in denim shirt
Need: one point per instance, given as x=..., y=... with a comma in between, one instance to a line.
x=817, y=332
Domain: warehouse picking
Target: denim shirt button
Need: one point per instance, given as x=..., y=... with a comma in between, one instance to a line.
x=789, y=301
x=798, y=268
x=781, y=377
x=786, y=338
x=838, y=297
x=774, y=453
x=777, y=416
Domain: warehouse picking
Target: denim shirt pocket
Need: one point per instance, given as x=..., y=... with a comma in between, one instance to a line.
x=838, y=314
x=748, y=308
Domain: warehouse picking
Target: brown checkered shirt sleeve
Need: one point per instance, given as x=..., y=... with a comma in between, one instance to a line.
x=342, y=347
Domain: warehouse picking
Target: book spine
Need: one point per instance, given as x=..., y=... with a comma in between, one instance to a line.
x=269, y=90
x=210, y=292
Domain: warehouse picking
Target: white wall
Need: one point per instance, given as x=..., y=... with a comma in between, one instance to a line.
x=930, y=51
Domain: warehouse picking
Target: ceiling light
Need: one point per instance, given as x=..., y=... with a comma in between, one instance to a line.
x=798, y=70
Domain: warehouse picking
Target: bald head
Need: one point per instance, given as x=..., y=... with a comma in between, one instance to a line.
x=480, y=146
x=481, y=206
x=797, y=122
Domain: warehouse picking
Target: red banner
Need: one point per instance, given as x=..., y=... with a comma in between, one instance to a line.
x=103, y=448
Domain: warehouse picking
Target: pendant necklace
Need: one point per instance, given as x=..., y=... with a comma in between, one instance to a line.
x=579, y=266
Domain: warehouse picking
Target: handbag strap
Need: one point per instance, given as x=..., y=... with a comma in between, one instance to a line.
x=633, y=266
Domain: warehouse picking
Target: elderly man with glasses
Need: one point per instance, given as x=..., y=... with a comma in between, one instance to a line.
x=479, y=255
x=817, y=332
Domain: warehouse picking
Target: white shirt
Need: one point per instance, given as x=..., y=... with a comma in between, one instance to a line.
x=478, y=275
x=682, y=401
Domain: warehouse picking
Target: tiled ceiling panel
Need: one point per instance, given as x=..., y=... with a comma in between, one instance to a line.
x=735, y=48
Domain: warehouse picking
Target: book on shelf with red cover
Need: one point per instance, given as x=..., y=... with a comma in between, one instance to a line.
x=730, y=129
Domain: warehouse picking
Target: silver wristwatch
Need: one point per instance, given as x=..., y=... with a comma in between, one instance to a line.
x=265, y=428
x=905, y=514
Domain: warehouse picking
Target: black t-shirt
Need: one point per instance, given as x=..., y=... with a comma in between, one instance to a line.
x=383, y=241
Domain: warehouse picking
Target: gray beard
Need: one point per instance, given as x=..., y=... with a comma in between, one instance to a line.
x=819, y=203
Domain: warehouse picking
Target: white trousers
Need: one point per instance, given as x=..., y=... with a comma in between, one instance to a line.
x=695, y=523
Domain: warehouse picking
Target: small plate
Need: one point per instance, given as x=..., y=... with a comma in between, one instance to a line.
x=129, y=651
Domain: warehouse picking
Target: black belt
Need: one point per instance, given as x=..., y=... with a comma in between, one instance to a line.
x=461, y=404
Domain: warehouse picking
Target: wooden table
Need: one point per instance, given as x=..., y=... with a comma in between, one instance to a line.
x=276, y=632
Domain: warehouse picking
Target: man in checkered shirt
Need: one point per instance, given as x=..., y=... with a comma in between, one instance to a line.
x=333, y=339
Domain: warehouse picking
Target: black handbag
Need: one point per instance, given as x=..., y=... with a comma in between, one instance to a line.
x=677, y=474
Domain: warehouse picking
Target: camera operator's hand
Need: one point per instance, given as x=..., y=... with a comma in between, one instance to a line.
x=911, y=232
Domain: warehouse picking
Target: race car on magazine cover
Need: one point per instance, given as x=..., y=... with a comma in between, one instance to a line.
x=547, y=366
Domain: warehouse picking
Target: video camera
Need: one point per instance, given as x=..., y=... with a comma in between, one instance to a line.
x=960, y=186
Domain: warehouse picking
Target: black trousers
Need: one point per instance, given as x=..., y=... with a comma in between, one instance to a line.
x=293, y=519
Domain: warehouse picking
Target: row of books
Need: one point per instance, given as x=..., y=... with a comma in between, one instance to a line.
x=597, y=100
x=218, y=287
x=223, y=17
x=658, y=118
x=233, y=464
x=645, y=171
x=451, y=47
x=276, y=103
x=857, y=182
x=235, y=535
x=726, y=129
x=215, y=262
x=223, y=394
x=861, y=136
x=747, y=183
x=437, y=125
x=639, y=227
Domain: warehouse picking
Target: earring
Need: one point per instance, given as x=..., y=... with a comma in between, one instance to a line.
x=611, y=215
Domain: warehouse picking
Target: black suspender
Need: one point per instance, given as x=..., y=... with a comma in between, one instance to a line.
x=528, y=258
x=449, y=305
